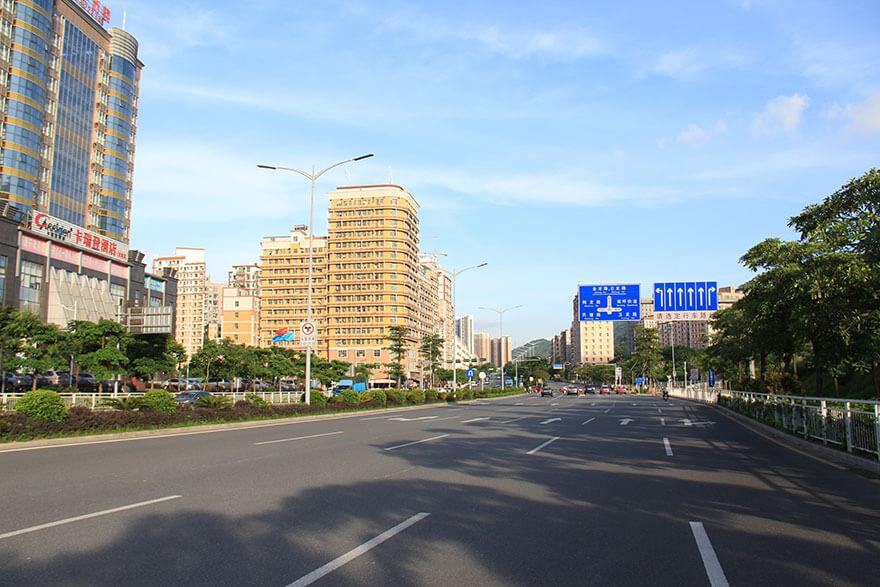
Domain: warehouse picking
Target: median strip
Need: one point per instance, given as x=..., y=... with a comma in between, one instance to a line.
x=356, y=552
x=416, y=442
x=88, y=516
x=298, y=438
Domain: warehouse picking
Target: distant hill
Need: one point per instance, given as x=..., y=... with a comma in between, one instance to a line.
x=540, y=347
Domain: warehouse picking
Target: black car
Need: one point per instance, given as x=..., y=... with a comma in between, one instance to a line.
x=547, y=391
x=86, y=382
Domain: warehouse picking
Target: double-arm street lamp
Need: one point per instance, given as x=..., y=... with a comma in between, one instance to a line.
x=455, y=274
x=311, y=176
x=501, y=336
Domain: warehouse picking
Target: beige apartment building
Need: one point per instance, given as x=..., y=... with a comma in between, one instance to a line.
x=481, y=347
x=246, y=277
x=284, y=273
x=241, y=316
x=373, y=275
x=192, y=281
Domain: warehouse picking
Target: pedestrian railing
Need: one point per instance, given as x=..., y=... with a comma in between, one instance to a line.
x=851, y=425
x=96, y=400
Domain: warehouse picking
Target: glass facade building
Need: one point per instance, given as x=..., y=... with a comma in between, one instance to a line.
x=68, y=98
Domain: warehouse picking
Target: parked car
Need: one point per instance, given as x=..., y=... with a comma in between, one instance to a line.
x=178, y=384
x=218, y=384
x=54, y=379
x=620, y=389
x=547, y=391
x=287, y=385
x=590, y=389
x=605, y=389
x=86, y=382
x=191, y=397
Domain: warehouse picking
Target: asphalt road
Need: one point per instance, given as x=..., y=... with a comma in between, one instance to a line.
x=525, y=490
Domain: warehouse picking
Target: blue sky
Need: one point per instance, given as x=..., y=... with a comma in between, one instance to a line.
x=563, y=143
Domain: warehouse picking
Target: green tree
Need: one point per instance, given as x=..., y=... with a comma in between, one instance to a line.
x=150, y=354
x=102, y=347
x=647, y=358
x=431, y=350
x=398, y=338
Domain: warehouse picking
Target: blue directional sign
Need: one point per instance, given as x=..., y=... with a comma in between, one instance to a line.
x=608, y=302
x=470, y=373
x=686, y=296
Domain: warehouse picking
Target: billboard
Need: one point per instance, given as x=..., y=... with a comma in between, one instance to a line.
x=685, y=300
x=608, y=302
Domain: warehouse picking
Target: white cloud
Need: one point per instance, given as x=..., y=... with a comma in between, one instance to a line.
x=684, y=63
x=781, y=114
x=864, y=117
x=696, y=136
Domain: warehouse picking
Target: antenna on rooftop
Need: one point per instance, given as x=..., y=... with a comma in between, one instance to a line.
x=390, y=175
x=348, y=177
x=123, y=20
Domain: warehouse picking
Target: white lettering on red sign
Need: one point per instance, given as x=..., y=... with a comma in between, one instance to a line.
x=70, y=234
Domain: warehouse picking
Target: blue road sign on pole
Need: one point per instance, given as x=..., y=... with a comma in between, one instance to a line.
x=608, y=302
x=711, y=378
x=470, y=373
x=685, y=300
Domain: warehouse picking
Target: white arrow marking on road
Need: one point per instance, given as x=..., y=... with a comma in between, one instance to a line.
x=663, y=421
x=668, y=447
x=537, y=448
x=412, y=419
x=588, y=421
x=551, y=420
x=475, y=420
x=625, y=421
x=691, y=423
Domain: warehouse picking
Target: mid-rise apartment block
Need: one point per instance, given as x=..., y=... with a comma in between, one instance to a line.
x=192, y=281
x=481, y=347
x=240, y=316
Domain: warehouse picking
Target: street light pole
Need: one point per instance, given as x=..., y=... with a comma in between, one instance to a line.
x=455, y=274
x=313, y=177
x=501, y=335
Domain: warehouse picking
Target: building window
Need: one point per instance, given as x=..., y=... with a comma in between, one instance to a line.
x=31, y=284
x=360, y=353
x=2, y=280
x=377, y=353
x=341, y=354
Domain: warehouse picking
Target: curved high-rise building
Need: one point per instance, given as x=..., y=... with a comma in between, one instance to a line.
x=68, y=95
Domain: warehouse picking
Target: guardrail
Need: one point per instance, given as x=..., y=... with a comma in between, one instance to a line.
x=96, y=400
x=851, y=425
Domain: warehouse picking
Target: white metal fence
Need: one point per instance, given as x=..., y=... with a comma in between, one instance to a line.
x=851, y=425
x=96, y=400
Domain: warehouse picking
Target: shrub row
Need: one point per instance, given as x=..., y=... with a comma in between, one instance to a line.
x=42, y=413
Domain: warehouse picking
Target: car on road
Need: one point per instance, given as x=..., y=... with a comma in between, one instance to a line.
x=191, y=397
x=218, y=384
x=54, y=379
x=572, y=390
x=590, y=389
x=547, y=391
x=605, y=389
x=620, y=389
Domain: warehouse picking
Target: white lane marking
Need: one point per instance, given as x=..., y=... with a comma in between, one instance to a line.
x=668, y=447
x=663, y=421
x=413, y=419
x=588, y=421
x=376, y=418
x=707, y=553
x=659, y=411
x=625, y=421
x=298, y=438
x=448, y=418
x=416, y=442
x=548, y=420
x=606, y=411
x=692, y=423
x=520, y=403
x=88, y=516
x=475, y=420
x=514, y=420
x=356, y=552
x=539, y=447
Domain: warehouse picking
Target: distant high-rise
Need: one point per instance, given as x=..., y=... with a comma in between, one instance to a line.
x=68, y=102
x=464, y=330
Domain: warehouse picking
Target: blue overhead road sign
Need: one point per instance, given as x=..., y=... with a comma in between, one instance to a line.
x=608, y=302
x=685, y=300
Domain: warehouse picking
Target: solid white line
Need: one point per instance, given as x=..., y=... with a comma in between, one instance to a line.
x=668, y=447
x=376, y=418
x=537, y=448
x=710, y=560
x=588, y=421
x=514, y=420
x=663, y=421
x=298, y=438
x=416, y=442
x=88, y=516
x=356, y=552
x=606, y=411
x=548, y=420
x=475, y=420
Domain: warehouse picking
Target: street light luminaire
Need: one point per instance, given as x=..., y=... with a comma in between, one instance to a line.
x=501, y=334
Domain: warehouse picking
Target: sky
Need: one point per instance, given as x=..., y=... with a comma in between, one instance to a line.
x=561, y=143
